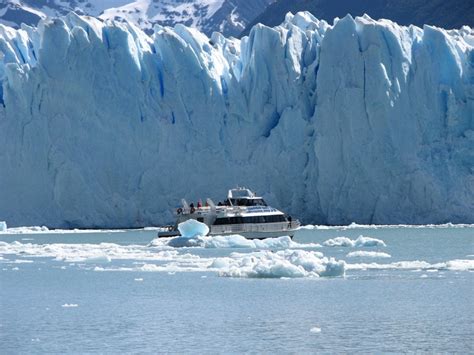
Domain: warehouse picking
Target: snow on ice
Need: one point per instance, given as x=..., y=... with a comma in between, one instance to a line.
x=361, y=120
x=284, y=263
x=231, y=241
x=265, y=263
x=361, y=241
x=368, y=254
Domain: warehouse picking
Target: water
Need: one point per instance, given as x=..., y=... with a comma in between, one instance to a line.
x=65, y=293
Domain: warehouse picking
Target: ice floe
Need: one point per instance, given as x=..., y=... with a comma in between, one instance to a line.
x=98, y=259
x=231, y=241
x=284, y=263
x=451, y=265
x=90, y=253
x=70, y=305
x=46, y=230
x=368, y=254
x=271, y=258
x=361, y=241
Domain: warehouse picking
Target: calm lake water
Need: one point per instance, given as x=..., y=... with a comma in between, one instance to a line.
x=403, y=289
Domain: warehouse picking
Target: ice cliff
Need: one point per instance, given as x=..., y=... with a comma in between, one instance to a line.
x=362, y=120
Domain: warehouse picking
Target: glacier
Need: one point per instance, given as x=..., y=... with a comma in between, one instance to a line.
x=359, y=121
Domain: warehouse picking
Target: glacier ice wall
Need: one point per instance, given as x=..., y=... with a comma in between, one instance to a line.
x=366, y=121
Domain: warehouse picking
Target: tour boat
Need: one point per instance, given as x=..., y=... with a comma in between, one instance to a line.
x=241, y=213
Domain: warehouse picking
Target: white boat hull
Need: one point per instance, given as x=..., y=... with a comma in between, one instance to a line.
x=249, y=231
x=260, y=235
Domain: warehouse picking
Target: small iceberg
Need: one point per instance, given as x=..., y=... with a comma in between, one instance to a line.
x=192, y=229
x=361, y=241
x=368, y=254
x=191, y=232
x=281, y=264
x=98, y=259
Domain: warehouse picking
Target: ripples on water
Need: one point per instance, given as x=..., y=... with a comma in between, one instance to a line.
x=340, y=289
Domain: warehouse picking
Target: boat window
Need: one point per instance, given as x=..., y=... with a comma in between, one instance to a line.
x=252, y=219
x=248, y=202
x=259, y=202
x=275, y=219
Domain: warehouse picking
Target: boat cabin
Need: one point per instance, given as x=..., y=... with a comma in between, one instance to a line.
x=243, y=197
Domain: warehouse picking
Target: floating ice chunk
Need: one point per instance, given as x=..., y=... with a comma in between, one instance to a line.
x=70, y=305
x=138, y=279
x=334, y=268
x=399, y=265
x=457, y=265
x=87, y=252
x=150, y=267
x=368, y=254
x=282, y=264
x=315, y=330
x=192, y=228
x=238, y=241
x=369, y=242
x=451, y=265
x=230, y=241
x=97, y=259
x=3, y=226
x=185, y=242
x=27, y=230
x=361, y=241
x=339, y=242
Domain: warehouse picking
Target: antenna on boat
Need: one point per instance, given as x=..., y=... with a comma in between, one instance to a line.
x=185, y=205
x=211, y=204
